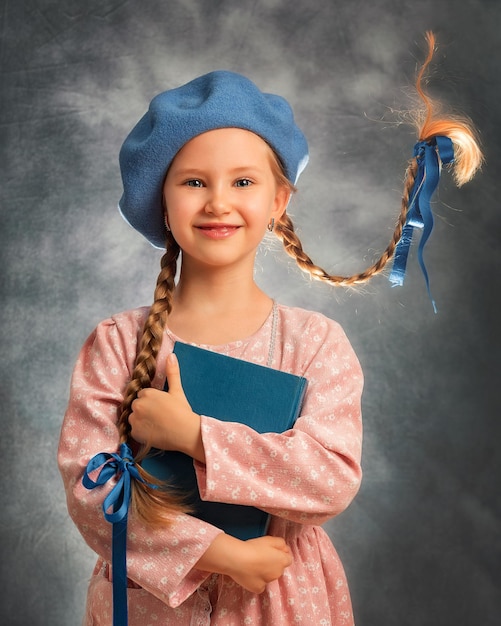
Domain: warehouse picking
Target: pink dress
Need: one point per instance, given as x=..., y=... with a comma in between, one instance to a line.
x=301, y=477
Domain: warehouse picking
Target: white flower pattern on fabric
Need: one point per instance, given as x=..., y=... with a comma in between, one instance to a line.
x=302, y=477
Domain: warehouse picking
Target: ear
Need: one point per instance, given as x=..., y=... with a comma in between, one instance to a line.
x=281, y=202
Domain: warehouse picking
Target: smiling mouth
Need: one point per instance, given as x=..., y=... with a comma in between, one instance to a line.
x=217, y=226
x=218, y=231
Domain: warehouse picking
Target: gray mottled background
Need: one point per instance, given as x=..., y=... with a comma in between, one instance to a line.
x=421, y=543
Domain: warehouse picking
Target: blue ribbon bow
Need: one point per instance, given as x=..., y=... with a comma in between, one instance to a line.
x=430, y=156
x=122, y=465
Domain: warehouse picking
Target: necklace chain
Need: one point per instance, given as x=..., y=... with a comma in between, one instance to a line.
x=274, y=323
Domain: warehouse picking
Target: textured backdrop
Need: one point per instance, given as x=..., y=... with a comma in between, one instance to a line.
x=421, y=543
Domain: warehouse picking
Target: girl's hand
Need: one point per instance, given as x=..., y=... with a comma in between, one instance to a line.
x=260, y=561
x=165, y=420
x=252, y=564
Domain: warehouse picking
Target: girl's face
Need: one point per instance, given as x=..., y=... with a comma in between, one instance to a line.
x=220, y=194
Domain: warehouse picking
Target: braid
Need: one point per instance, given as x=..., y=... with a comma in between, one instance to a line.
x=144, y=369
x=467, y=160
x=155, y=504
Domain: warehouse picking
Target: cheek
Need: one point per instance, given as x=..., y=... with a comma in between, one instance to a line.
x=178, y=206
x=261, y=203
x=178, y=220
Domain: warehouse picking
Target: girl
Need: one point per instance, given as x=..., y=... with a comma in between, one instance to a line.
x=207, y=171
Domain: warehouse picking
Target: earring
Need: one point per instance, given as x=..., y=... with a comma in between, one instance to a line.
x=271, y=225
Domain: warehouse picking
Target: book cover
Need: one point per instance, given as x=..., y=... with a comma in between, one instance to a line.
x=231, y=390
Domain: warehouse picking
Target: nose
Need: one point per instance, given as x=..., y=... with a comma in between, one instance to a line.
x=218, y=202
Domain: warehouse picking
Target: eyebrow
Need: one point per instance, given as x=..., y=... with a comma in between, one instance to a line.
x=241, y=169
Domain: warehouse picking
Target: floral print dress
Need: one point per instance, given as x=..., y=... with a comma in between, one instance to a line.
x=301, y=477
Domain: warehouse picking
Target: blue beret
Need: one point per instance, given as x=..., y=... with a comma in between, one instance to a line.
x=219, y=99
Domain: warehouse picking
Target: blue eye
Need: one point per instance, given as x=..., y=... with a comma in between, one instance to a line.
x=243, y=182
x=194, y=183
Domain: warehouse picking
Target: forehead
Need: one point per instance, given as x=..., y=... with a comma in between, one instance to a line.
x=232, y=142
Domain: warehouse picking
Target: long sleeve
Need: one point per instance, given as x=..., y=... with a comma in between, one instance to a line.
x=311, y=472
x=161, y=560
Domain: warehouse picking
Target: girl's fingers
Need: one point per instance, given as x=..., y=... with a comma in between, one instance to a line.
x=173, y=374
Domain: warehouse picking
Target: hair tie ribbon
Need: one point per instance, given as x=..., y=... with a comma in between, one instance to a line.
x=121, y=465
x=430, y=156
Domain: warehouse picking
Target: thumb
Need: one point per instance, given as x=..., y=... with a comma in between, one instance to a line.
x=173, y=374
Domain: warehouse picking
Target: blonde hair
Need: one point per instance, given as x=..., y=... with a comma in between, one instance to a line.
x=152, y=499
x=158, y=505
x=467, y=160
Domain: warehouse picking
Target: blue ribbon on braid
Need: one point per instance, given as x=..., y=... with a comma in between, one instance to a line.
x=430, y=156
x=121, y=465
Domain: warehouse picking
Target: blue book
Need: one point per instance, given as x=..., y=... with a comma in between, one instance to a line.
x=231, y=390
